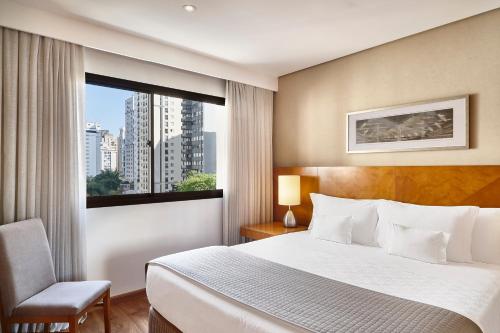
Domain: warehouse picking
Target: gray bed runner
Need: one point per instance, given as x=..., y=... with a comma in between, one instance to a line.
x=312, y=302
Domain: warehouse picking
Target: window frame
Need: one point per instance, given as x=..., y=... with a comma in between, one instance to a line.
x=152, y=196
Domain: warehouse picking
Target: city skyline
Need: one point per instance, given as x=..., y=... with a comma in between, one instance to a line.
x=104, y=105
x=117, y=139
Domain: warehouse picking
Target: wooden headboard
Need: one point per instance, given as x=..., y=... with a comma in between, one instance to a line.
x=425, y=185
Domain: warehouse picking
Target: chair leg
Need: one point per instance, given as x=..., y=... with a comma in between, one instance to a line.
x=73, y=324
x=5, y=326
x=107, y=301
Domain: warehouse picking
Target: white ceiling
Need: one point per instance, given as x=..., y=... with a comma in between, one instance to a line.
x=274, y=37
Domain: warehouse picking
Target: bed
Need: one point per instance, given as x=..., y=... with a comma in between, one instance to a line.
x=471, y=290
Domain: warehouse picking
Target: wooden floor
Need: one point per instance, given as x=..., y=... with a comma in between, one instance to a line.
x=129, y=314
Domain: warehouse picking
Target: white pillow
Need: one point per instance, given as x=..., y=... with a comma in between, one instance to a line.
x=486, y=236
x=333, y=228
x=424, y=245
x=363, y=213
x=457, y=221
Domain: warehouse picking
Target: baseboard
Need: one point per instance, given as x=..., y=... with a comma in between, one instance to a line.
x=139, y=292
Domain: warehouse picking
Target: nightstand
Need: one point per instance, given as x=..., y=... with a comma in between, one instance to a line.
x=265, y=230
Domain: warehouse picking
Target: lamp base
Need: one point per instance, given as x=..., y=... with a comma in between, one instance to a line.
x=289, y=219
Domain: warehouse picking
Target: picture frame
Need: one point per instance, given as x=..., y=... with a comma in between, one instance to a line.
x=438, y=124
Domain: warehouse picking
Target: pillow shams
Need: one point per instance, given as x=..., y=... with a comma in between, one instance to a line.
x=486, y=236
x=333, y=228
x=424, y=245
x=363, y=213
x=457, y=221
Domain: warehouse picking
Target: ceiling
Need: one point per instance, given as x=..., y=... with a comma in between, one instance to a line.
x=273, y=37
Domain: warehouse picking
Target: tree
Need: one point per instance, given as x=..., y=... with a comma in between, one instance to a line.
x=197, y=181
x=106, y=183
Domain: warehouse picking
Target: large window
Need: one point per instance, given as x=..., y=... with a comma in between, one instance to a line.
x=146, y=143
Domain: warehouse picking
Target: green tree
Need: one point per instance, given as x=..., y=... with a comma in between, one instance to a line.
x=106, y=183
x=197, y=181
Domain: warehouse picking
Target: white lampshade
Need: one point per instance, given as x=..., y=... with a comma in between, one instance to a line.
x=289, y=190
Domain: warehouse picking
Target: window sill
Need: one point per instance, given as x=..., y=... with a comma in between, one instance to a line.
x=140, y=199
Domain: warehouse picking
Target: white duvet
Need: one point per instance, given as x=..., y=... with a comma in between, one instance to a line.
x=472, y=290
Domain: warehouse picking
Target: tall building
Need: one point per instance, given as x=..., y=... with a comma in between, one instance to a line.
x=121, y=151
x=92, y=147
x=192, y=137
x=178, y=142
x=109, y=151
x=136, y=142
x=101, y=150
x=168, y=142
x=209, y=152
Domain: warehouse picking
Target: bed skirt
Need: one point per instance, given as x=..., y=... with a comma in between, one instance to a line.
x=158, y=324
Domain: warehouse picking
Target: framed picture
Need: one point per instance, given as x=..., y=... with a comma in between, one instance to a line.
x=437, y=124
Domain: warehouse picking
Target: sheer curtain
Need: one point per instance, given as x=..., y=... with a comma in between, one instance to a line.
x=248, y=191
x=41, y=140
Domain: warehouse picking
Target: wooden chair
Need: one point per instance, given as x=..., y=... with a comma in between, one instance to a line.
x=29, y=292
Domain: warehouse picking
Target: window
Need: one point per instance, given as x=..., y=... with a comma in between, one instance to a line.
x=147, y=143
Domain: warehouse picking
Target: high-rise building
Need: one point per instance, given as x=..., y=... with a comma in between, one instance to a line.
x=92, y=147
x=209, y=152
x=121, y=151
x=168, y=142
x=178, y=142
x=192, y=137
x=109, y=151
x=137, y=142
x=101, y=150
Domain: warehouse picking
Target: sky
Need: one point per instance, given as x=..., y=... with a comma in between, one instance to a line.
x=106, y=106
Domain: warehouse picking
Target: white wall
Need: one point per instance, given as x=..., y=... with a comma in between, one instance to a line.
x=71, y=29
x=109, y=64
x=121, y=240
x=456, y=59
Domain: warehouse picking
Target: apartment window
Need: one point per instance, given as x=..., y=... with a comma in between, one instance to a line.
x=129, y=145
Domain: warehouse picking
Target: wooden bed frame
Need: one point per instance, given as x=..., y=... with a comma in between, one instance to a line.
x=426, y=185
x=476, y=185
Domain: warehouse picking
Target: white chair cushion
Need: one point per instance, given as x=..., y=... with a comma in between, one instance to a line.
x=62, y=299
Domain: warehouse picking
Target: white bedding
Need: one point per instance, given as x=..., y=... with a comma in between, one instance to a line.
x=472, y=290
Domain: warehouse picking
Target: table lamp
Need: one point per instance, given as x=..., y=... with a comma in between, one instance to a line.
x=289, y=195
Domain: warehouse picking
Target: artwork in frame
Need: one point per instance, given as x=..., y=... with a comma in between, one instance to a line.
x=431, y=125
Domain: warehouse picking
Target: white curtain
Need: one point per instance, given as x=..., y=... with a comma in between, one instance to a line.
x=248, y=191
x=41, y=141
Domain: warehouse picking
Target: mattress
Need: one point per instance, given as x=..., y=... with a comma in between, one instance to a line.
x=472, y=290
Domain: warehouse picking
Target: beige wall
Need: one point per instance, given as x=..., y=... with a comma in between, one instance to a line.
x=459, y=58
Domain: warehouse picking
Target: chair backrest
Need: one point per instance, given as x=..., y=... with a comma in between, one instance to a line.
x=26, y=266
